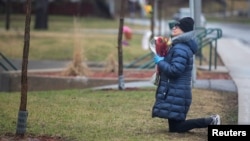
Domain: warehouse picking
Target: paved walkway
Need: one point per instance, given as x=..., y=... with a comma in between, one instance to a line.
x=210, y=84
x=235, y=56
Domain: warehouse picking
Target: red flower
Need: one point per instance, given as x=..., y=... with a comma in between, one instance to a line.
x=161, y=45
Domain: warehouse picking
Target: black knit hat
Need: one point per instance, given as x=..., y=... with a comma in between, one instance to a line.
x=186, y=24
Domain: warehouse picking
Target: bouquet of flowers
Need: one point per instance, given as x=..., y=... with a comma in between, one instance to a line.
x=159, y=45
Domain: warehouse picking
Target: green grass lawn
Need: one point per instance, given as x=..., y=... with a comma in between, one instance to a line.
x=108, y=115
x=64, y=37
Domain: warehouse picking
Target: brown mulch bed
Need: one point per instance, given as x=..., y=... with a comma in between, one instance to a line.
x=140, y=74
x=213, y=75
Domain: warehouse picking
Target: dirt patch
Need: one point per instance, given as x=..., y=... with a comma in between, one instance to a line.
x=12, y=137
x=103, y=74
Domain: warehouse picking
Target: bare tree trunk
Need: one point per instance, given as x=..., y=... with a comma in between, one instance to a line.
x=160, y=3
x=102, y=9
x=41, y=13
x=152, y=19
x=23, y=113
x=8, y=11
x=120, y=57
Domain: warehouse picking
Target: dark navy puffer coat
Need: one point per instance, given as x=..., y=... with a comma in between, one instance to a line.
x=174, y=92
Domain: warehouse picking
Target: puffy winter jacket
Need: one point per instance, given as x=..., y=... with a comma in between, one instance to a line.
x=174, y=92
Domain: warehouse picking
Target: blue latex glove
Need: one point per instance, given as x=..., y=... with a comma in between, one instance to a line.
x=157, y=59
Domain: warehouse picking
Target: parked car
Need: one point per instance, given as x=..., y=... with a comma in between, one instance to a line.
x=185, y=12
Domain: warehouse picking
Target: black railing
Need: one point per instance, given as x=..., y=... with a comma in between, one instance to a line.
x=205, y=37
x=208, y=37
x=6, y=64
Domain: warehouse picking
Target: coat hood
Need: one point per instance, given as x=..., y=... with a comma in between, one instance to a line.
x=187, y=38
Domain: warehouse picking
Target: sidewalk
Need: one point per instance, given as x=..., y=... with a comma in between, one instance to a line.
x=219, y=85
x=235, y=56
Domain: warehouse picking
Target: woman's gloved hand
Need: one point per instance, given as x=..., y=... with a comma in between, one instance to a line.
x=157, y=59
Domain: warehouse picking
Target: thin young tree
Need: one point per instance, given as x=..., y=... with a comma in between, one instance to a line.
x=152, y=19
x=23, y=113
x=120, y=56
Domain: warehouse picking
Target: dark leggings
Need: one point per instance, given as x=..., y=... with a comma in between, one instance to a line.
x=186, y=125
